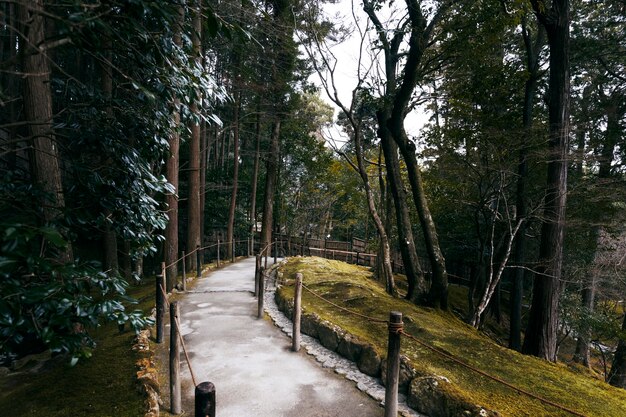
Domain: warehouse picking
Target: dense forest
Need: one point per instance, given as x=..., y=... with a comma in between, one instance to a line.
x=132, y=130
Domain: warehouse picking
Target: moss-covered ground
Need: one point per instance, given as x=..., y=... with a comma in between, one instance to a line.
x=101, y=386
x=353, y=287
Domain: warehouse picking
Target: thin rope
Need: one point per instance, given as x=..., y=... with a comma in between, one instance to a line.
x=180, y=337
x=354, y=313
x=486, y=375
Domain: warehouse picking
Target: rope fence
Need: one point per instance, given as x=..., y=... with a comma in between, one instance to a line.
x=397, y=328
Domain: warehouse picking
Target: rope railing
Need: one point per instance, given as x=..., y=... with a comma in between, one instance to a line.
x=347, y=310
x=398, y=329
x=182, y=341
x=493, y=378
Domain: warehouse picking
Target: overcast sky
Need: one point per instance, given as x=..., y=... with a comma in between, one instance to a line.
x=347, y=54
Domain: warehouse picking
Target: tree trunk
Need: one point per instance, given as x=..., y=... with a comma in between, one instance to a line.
x=44, y=157
x=233, y=197
x=414, y=274
x=617, y=374
x=438, y=294
x=255, y=178
x=541, y=333
x=270, y=187
x=519, y=254
x=387, y=271
x=588, y=294
x=193, y=224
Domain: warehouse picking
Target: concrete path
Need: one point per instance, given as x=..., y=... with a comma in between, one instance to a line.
x=249, y=359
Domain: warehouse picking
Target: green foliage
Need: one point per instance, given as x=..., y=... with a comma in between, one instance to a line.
x=51, y=305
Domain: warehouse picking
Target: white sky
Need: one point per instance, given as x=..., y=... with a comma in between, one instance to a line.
x=347, y=54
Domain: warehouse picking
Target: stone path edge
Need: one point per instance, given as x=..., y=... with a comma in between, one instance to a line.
x=332, y=360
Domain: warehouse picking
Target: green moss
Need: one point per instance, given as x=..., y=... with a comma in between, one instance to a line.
x=102, y=386
x=353, y=287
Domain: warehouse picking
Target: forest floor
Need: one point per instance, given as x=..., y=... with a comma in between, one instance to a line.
x=354, y=287
x=105, y=385
x=102, y=386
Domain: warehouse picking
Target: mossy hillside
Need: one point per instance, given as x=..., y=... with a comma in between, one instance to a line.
x=101, y=386
x=353, y=287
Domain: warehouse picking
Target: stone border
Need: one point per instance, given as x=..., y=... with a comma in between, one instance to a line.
x=335, y=348
x=365, y=373
x=147, y=374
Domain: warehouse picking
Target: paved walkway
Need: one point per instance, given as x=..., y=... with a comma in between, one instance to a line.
x=249, y=359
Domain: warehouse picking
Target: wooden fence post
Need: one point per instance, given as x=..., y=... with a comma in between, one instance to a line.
x=357, y=258
x=164, y=272
x=297, y=313
x=160, y=307
x=205, y=400
x=233, y=255
x=175, y=392
x=218, y=253
x=256, y=275
x=275, y=250
x=184, y=271
x=248, y=246
x=198, y=262
x=393, y=364
x=261, y=292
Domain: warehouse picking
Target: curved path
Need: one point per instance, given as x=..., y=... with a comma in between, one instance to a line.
x=249, y=359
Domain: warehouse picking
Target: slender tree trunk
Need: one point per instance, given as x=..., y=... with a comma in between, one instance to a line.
x=541, y=333
x=617, y=374
x=415, y=276
x=172, y=168
x=519, y=255
x=588, y=293
x=387, y=272
x=233, y=197
x=255, y=174
x=270, y=186
x=438, y=294
x=44, y=157
x=193, y=224
x=109, y=241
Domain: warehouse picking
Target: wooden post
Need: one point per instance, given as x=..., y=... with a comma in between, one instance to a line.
x=297, y=313
x=357, y=258
x=261, y=292
x=198, y=262
x=218, y=253
x=248, y=246
x=393, y=364
x=233, y=255
x=256, y=275
x=175, y=392
x=160, y=307
x=205, y=400
x=275, y=250
x=184, y=272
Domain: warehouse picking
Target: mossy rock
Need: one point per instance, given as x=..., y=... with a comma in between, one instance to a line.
x=370, y=362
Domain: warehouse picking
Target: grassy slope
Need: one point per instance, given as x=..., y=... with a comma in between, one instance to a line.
x=102, y=386
x=352, y=287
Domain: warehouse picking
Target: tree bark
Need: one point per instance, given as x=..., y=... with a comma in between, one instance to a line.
x=44, y=157
x=519, y=254
x=541, y=333
x=193, y=224
x=617, y=374
x=270, y=187
x=172, y=173
x=233, y=197
x=417, y=287
x=255, y=176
